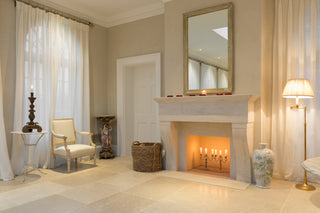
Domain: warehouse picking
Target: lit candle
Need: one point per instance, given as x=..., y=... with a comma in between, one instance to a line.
x=220, y=151
x=212, y=151
x=225, y=152
x=205, y=150
x=215, y=152
x=204, y=92
x=31, y=88
x=200, y=150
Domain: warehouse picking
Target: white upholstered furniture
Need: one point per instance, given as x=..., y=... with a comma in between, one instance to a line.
x=312, y=165
x=64, y=142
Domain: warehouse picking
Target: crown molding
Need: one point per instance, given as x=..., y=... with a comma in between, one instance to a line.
x=133, y=15
x=110, y=21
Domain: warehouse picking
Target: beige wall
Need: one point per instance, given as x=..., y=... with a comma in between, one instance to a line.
x=126, y=40
x=131, y=39
x=7, y=61
x=247, y=43
x=98, y=47
x=266, y=69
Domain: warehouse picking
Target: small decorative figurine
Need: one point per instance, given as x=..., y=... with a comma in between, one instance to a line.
x=106, y=152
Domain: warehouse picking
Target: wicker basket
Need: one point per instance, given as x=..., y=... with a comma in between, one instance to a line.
x=147, y=157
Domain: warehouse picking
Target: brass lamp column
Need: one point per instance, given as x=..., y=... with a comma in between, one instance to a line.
x=300, y=88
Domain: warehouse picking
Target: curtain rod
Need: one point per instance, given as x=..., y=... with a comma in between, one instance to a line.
x=54, y=11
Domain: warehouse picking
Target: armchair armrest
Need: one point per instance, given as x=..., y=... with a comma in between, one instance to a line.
x=84, y=133
x=58, y=135
x=87, y=134
x=61, y=137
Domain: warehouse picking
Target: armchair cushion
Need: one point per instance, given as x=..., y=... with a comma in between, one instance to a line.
x=64, y=127
x=75, y=150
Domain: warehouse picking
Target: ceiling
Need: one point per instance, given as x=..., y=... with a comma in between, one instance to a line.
x=108, y=13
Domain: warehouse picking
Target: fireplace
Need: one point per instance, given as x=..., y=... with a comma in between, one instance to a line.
x=217, y=116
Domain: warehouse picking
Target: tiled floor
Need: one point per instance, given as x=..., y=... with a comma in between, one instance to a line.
x=113, y=187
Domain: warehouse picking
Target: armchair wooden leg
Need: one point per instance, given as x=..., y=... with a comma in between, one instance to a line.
x=94, y=159
x=68, y=165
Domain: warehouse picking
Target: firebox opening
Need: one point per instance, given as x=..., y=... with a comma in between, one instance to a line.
x=208, y=155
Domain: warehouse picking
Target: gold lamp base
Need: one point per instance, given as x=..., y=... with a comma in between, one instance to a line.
x=305, y=186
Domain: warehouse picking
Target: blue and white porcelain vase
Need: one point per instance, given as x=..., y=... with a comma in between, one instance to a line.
x=263, y=161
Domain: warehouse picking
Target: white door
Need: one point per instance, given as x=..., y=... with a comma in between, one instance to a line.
x=145, y=108
x=138, y=83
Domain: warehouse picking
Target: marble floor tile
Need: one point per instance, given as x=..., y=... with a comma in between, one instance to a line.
x=7, y=203
x=33, y=192
x=91, y=192
x=121, y=202
x=126, y=180
x=158, y=188
x=78, y=179
x=302, y=201
x=51, y=204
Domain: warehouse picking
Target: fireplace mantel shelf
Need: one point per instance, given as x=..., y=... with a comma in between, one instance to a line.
x=219, y=109
x=207, y=99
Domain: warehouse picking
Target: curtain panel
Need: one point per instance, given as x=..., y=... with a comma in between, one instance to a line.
x=295, y=55
x=5, y=167
x=52, y=55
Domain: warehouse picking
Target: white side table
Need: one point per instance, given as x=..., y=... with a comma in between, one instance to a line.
x=30, y=149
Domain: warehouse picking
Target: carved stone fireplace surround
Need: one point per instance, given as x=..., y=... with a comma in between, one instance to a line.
x=235, y=112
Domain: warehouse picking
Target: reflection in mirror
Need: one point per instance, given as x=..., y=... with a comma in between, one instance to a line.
x=208, y=59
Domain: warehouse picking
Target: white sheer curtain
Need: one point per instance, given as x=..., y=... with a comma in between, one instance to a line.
x=5, y=167
x=222, y=78
x=52, y=55
x=194, y=74
x=209, y=77
x=295, y=55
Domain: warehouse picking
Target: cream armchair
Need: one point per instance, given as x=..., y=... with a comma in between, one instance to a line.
x=64, y=142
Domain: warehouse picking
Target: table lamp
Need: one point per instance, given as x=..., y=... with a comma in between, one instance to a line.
x=300, y=88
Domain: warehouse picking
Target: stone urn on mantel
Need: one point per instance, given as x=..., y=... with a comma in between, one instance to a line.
x=263, y=161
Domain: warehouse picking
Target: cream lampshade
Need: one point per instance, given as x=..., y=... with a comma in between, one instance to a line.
x=300, y=88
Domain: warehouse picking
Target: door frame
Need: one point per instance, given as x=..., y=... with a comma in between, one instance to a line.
x=122, y=64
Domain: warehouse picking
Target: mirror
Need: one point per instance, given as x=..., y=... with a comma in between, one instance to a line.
x=208, y=50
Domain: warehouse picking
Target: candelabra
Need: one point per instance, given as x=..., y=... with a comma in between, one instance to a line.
x=221, y=159
x=31, y=125
x=205, y=157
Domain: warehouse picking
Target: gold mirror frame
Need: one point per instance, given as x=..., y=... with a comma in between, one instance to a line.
x=228, y=6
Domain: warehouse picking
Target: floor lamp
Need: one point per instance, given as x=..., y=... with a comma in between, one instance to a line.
x=300, y=88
